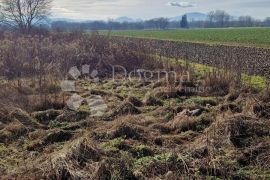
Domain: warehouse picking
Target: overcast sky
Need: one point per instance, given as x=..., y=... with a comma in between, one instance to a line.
x=146, y=9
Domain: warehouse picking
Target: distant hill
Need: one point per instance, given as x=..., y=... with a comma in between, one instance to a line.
x=64, y=19
x=126, y=19
x=195, y=16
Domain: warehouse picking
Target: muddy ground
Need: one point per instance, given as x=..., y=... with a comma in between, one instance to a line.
x=248, y=60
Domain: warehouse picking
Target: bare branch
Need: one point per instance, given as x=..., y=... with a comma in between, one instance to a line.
x=24, y=14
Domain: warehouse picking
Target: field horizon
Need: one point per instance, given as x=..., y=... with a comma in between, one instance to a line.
x=247, y=37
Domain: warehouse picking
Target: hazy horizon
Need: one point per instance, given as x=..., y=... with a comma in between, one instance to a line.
x=106, y=9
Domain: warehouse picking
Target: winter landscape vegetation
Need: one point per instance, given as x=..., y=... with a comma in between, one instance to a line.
x=134, y=90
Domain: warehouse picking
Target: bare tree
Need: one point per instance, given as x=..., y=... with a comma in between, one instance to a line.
x=160, y=23
x=24, y=14
x=218, y=18
x=163, y=23
x=267, y=21
x=210, y=17
x=221, y=18
x=246, y=21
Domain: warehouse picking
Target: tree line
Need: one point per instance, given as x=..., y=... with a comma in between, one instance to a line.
x=215, y=19
x=27, y=16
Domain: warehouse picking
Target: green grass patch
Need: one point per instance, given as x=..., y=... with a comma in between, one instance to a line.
x=200, y=101
x=142, y=163
x=257, y=82
x=254, y=81
x=255, y=37
x=112, y=145
x=3, y=149
x=254, y=173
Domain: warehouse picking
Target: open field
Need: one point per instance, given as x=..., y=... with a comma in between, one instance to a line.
x=199, y=122
x=79, y=104
x=256, y=37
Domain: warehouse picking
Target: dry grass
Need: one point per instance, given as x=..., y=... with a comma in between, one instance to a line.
x=151, y=130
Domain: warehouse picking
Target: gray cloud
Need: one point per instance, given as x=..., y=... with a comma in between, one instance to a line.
x=181, y=4
x=146, y=9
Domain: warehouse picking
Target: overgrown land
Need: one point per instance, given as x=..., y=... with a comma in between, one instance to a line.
x=193, y=122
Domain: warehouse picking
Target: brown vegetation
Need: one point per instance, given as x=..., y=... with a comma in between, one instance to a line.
x=151, y=129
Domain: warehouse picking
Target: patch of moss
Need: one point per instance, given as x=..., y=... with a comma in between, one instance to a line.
x=257, y=82
x=112, y=145
x=200, y=101
x=2, y=81
x=142, y=163
x=3, y=149
x=87, y=84
x=110, y=84
x=253, y=173
x=26, y=143
x=56, y=124
x=85, y=109
x=123, y=90
x=141, y=151
x=54, y=88
x=204, y=122
x=9, y=158
x=170, y=102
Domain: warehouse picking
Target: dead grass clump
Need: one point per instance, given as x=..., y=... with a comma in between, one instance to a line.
x=57, y=136
x=4, y=118
x=233, y=96
x=165, y=93
x=141, y=151
x=99, y=92
x=46, y=105
x=128, y=131
x=244, y=130
x=264, y=95
x=74, y=162
x=234, y=108
x=200, y=152
x=133, y=100
x=163, y=128
x=152, y=101
x=256, y=155
x=158, y=141
x=44, y=117
x=182, y=124
x=126, y=108
x=159, y=165
x=209, y=169
x=83, y=152
x=218, y=84
x=120, y=168
x=262, y=110
x=72, y=116
x=164, y=112
x=82, y=160
x=35, y=146
x=24, y=118
x=12, y=131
